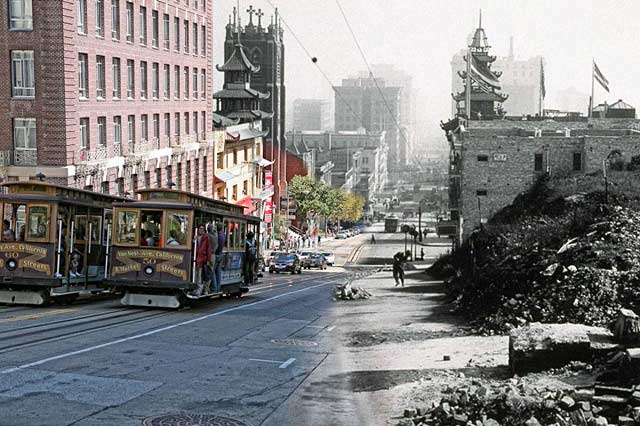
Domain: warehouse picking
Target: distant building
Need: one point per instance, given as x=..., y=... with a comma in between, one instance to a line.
x=360, y=104
x=520, y=79
x=619, y=109
x=312, y=114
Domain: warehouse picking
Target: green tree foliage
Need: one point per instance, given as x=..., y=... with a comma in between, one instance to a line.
x=318, y=198
x=352, y=207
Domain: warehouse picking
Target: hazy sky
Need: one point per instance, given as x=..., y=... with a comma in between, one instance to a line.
x=420, y=36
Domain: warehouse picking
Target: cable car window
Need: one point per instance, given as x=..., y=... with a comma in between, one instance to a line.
x=82, y=227
x=151, y=228
x=237, y=236
x=127, y=226
x=108, y=221
x=177, y=233
x=38, y=223
x=243, y=235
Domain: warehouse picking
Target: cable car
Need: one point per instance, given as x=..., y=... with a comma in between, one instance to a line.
x=55, y=242
x=153, y=259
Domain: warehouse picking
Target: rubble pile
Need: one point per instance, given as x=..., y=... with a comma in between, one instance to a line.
x=514, y=403
x=346, y=292
x=569, y=259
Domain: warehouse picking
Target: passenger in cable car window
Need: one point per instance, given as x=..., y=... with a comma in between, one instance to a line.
x=21, y=233
x=76, y=263
x=143, y=239
x=173, y=238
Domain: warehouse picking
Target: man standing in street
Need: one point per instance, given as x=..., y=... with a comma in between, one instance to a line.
x=222, y=241
x=203, y=256
x=213, y=244
x=250, y=256
x=399, y=259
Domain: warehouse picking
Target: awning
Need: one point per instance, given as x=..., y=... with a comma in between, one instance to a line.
x=224, y=176
x=262, y=162
x=247, y=203
x=264, y=194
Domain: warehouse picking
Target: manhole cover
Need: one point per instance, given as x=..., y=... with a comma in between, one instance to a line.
x=186, y=419
x=294, y=342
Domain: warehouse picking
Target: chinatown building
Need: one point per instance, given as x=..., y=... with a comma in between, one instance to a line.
x=240, y=175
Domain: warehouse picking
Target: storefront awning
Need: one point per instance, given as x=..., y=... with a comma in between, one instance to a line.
x=224, y=176
x=248, y=205
x=262, y=162
x=264, y=195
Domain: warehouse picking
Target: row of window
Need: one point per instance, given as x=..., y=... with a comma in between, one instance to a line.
x=538, y=161
x=188, y=123
x=194, y=35
x=194, y=76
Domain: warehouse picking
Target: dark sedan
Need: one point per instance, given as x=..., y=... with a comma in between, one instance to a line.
x=289, y=262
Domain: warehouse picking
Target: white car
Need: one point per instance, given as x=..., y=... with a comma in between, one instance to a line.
x=330, y=257
x=342, y=236
x=304, y=255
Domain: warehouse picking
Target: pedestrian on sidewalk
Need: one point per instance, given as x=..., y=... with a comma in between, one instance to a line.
x=421, y=254
x=373, y=238
x=399, y=259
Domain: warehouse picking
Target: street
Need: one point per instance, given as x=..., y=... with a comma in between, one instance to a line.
x=252, y=359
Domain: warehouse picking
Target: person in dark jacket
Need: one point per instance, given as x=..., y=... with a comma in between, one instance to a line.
x=250, y=257
x=399, y=259
x=222, y=241
x=203, y=258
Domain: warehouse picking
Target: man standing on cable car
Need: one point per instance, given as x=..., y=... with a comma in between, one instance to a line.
x=222, y=241
x=203, y=255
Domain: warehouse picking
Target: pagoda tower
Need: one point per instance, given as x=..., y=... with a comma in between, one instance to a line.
x=485, y=98
x=237, y=102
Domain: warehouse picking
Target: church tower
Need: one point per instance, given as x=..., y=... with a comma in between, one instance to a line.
x=482, y=83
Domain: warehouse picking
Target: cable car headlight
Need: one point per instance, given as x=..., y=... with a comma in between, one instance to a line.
x=12, y=264
x=148, y=270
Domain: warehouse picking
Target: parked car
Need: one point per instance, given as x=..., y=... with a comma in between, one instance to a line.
x=273, y=255
x=286, y=262
x=315, y=260
x=330, y=257
x=342, y=235
x=304, y=255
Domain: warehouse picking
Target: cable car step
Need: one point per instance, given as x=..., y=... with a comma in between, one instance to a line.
x=23, y=297
x=205, y=296
x=151, y=300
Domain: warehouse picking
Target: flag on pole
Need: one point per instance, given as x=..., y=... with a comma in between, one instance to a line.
x=483, y=74
x=543, y=89
x=599, y=77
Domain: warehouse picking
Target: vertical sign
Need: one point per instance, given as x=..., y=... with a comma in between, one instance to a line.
x=268, y=184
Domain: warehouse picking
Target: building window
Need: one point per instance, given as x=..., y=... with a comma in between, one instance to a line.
x=104, y=187
x=83, y=75
x=131, y=130
x=81, y=18
x=20, y=15
x=483, y=158
x=235, y=193
x=102, y=131
x=203, y=83
x=204, y=125
x=117, y=130
x=130, y=22
x=195, y=124
x=176, y=32
x=246, y=154
x=100, y=77
x=481, y=193
x=176, y=124
x=188, y=175
x=203, y=42
x=144, y=128
x=23, y=83
x=245, y=187
x=204, y=174
x=186, y=123
x=235, y=156
x=131, y=79
x=84, y=133
x=186, y=82
x=143, y=25
x=220, y=160
x=165, y=32
x=186, y=36
x=577, y=161
x=195, y=83
x=143, y=80
x=115, y=19
x=169, y=174
x=179, y=176
x=117, y=86
x=24, y=134
x=195, y=38
x=156, y=127
x=176, y=81
x=100, y=18
x=158, y=177
x=155, y=79
x=167, y=125
x=147, y=179
x=134, y=183
x=196, y=176
x=167, y=81
x=120, y=186
x=154, y=28
x=537, y=166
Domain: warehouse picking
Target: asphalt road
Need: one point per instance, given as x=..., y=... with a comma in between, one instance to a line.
x=250, y=361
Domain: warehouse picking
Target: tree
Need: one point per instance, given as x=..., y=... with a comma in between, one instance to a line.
x=352, y=207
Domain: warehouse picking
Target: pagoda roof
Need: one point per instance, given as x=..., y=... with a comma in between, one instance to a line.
x=244, y=93
x=238, y=61
x=246, y=133
x=481, y=96
x=223, y=121
x=253, y=114
x=621, y=105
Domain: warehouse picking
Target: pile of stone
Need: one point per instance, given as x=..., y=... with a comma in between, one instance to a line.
x=514, y=403
x=347, y=292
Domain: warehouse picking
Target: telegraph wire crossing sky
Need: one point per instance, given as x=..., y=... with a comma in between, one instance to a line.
x=421, y=36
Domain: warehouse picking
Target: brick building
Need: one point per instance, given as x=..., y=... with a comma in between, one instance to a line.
x=492, y=162
x=109, y=95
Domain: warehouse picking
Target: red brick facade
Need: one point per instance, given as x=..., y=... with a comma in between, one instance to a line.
x=57, y=42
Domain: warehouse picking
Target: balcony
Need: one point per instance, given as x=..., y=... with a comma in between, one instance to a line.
x=19, y=157
x=144, y=146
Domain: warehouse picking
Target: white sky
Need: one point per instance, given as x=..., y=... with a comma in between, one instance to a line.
x=420, y=36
